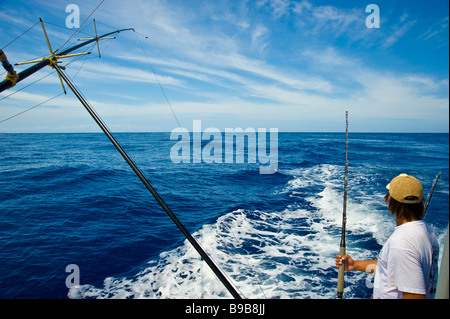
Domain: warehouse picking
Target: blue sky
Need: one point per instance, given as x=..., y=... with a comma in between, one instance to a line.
x=291, y=65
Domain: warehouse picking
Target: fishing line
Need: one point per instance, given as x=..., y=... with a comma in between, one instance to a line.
x=157, y=80
x=225, y=274
x=248, y=264
x=179, y=125
x=151, y=68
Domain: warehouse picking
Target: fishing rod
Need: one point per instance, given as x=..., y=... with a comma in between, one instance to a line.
x=158, y=198
x=430, y=195
x=340, y=286
x=53, y=62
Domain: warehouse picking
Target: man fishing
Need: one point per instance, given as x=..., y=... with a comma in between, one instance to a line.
x=407, y=264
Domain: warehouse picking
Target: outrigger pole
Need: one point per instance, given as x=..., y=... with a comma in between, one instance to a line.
x=340, y=287
x=52, y=61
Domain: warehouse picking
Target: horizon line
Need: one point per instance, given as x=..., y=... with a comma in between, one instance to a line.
x=303, y=132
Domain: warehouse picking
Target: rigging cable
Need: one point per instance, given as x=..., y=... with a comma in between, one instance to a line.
x=29, y=109
x=80, y=26
x=29, y=29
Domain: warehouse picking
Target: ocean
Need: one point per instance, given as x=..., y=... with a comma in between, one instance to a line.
x=70, y=205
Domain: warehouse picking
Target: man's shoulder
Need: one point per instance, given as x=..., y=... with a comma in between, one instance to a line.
x=412, y=234
x=408, y=233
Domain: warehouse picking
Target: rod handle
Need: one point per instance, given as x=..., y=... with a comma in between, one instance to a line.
x=340, y=286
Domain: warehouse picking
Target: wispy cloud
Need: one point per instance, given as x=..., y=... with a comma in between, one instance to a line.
x=437, y=33
x=260, y=37
x=106, y=72
x=279, y=7
x=271, y=60
x=333, y=81
x=398, y=31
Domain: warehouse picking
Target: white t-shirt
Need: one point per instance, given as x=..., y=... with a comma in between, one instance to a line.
x=408, y=262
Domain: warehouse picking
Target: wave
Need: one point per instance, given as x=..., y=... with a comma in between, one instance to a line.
x=67, y=201
x=287, y=253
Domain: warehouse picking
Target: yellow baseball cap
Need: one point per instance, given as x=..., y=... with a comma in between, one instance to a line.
x=406, y=189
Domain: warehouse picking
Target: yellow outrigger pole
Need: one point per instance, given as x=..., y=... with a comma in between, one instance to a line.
x=96, y=39
x=340, y=286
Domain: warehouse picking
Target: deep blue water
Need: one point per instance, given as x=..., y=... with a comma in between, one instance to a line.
x=71, y=199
